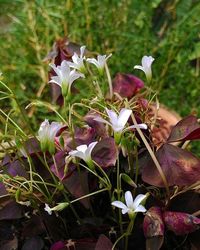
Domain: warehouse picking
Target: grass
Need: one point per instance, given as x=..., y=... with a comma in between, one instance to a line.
x=167, y=30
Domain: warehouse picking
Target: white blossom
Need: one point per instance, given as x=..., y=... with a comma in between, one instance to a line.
x=99, y=62
x=78, y=61
x=84, y=152
x=48, y=209
x=146, y=66
x=118, y=122
x=64, y=76
x=46, y=135
x=131, y=206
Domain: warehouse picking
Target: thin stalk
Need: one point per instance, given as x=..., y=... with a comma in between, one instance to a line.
x=152, y=155
x=109, y=81
x=118, y=194
x=88, y=195
x=13, y=123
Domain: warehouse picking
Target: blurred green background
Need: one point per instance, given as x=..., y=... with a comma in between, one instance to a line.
x=169, y=30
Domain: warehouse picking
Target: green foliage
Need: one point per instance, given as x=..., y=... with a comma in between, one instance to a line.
x=167, y=30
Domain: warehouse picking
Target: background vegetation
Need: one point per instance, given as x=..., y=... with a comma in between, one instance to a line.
x=166, y=29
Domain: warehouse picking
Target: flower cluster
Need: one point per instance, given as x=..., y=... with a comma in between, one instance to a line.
x=99, y=160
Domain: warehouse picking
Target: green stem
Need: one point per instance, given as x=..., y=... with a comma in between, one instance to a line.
x=128, y=232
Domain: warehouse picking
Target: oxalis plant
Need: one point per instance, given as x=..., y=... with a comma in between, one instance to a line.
x=96, y=176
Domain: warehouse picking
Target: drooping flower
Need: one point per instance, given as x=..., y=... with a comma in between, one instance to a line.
x=118, y=122
x=146, y=66
x=99, y=62
x=132, y=206
x=84, y=152
x=65, y=77
x=78, y=61
x=46, y=135
x=58, y=207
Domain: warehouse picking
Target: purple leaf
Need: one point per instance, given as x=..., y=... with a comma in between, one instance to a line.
x=11, y=244
x=60, y=169
x=15, y=168
x=179, y=166
x=105, y=152
x=98, y=126
x=103, y=243
x=153, y=223
x=32, y=146
x=11, y=211
x=34, y=227
x=186, y=129
x=33, y=244
x=77, y=185
x=127, y=85
x=181, y=223
x=84, y=135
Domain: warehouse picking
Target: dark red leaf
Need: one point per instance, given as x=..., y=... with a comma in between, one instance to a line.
x=179, y=166
x=186, y=129
x=77, y=185
x=103, y=243
x=105, y=152
x=33, y=244
x=11, y=211
x=98, y=126
x=153, y=223
x=127, y=85
x=181, y=223
x=84, y=135
x=8, y=245
x=60, y=170
x=33, y=227
x=60, y=245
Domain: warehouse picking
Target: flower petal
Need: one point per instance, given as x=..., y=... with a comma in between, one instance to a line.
x=139, y=67
x=112, y=116
x=82, y=148
x=124, y=116
x=56, y=80
x=119, y=204
x=141, y=126
x=129, y=200
x=90, y=148
x=76, y=153
x=138, y=200
x=82, y=50
x=141, y=209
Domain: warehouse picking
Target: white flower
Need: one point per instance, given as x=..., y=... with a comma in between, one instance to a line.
x=146, y=66
x=131, y=206
x=84, y=152
x=118, y=122
x=78, y=61
x=58, y=207
x=48, y=209
x=99, y=62
x=65, y=77
x=46, y=135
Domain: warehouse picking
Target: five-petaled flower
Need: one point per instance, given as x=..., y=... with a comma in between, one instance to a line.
x=99, y=62
x=146, y=66
x=78, y=61
x=65, y=77
x=84, y=152
x=46, y=135
x=118, y=122
x=132, y=206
